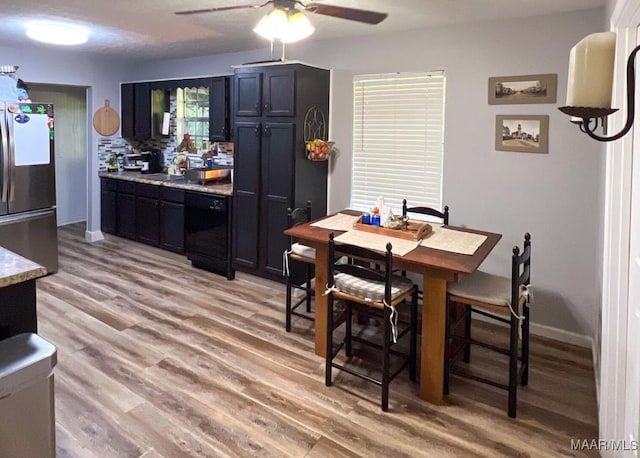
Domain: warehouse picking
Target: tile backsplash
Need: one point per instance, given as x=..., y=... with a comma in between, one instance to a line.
x=168, y=145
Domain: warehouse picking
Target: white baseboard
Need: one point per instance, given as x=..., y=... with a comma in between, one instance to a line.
x=561, y=335
x=550, y=333
x=93, y=236
x=596, y=369
x=73, y=220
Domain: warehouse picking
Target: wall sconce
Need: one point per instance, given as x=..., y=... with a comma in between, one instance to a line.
x=590, y=84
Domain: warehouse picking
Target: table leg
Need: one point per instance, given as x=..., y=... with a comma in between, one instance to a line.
x=322, y=259
x=432, y=345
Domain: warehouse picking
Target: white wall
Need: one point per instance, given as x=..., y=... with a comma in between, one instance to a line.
x=100, y=75
x=556, y=196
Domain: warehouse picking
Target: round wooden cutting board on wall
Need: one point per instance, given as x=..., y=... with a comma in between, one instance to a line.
x=106, y=120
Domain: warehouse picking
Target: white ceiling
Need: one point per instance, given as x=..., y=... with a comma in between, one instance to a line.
x=149, y=29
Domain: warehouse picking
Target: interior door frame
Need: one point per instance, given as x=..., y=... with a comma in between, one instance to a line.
x=619, y=336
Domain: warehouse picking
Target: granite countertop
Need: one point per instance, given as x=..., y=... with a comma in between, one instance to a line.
x=16, y=269
x=224, y=189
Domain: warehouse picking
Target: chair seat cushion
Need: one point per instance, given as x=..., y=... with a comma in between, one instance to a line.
x=303, y=250
x=371, y=290
x=483, y=287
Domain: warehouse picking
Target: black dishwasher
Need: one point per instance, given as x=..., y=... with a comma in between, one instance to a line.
x=207, y=234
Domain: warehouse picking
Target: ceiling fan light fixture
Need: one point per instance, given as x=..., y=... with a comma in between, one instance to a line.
x=286, y=26
x=272, y=25
x=298, y=28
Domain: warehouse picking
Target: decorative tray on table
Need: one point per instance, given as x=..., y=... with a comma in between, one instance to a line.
x=408, y=230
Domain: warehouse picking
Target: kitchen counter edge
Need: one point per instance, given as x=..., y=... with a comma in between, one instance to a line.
x=224, y=189
x=16, y=269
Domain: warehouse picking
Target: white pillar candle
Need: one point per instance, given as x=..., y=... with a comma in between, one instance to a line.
x=590, y=79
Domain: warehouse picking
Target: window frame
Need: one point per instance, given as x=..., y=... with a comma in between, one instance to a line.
x=432, y=86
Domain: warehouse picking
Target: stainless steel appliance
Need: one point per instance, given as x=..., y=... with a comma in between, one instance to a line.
x=27, y=182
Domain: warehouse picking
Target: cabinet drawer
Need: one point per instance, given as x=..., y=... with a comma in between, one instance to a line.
x=108, y=184
x=128, y=187
x=148, y=190
x=173, y=195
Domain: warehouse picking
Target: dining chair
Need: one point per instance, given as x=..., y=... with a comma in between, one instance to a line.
x=443, y=215
x=379, y=293
x=295, y=257
x=499, y=298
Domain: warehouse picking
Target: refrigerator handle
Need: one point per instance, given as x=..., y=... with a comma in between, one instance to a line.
x=12, y=155
x=4, y=136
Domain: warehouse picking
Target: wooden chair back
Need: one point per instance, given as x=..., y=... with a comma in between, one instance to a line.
x=444, y=215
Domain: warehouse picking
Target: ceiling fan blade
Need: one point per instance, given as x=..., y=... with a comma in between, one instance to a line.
x=214, y=10
x=352, y=14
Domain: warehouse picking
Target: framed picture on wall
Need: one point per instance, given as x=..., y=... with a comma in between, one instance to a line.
x=522, y=133
x=505, y=90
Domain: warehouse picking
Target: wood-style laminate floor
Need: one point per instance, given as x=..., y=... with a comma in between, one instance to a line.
x=157, y=358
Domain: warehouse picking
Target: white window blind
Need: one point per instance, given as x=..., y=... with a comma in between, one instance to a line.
x=398, y=135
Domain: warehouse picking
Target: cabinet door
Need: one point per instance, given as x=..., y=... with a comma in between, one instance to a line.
x=246, y=194
x=126, y=215
x=108, y=211
x=148, y=220
x=142, y=111
x=172, y=226
x=279, y=90
x=248, y=94
x=277, y=192
x=126, y=110
x=219, y=109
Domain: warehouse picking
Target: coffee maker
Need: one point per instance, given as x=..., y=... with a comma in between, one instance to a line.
x=155, y=158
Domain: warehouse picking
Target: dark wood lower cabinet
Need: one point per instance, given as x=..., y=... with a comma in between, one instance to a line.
x=108, y=216
x=150, y=214
x=18, y=309
x=172, y=226
x=148, y=220
x=126, y=215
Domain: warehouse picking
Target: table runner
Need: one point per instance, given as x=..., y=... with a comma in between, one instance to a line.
x=455, y=241
x=337, y=222
x=377, y=242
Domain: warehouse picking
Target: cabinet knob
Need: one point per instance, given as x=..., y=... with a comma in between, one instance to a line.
x=257, y=106
x=267, y=131
x=256, y=130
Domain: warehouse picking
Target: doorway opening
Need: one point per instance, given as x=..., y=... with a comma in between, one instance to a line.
x=70, y=115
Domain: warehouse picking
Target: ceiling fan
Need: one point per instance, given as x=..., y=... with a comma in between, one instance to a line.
x=352, y=14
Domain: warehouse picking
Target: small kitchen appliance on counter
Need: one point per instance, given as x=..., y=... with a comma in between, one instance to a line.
x=155, y=160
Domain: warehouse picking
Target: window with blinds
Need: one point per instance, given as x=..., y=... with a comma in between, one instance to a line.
x=398, y=136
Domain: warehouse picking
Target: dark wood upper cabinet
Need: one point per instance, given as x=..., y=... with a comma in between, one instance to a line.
x=279, y=93
x=219, y=109
x=142, y=111
x=268, y=93
x=135, y=111
x=126, y=110
x=143, y=105
x=247, y=94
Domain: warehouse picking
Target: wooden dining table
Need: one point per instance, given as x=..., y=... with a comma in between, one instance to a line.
x=437, y=268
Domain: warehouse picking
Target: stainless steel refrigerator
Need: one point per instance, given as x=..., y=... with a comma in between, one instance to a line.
x=27, y=182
